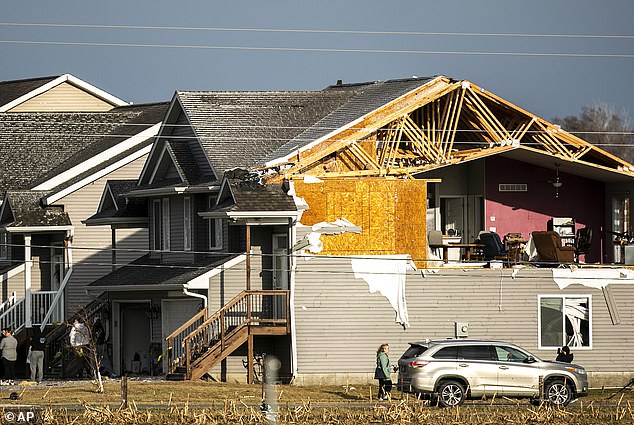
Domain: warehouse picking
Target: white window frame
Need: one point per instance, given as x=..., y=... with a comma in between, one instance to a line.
x=563, y=342
x=187, y=223
x=165, y=224
x=156, y=225
x=4, y=249
x=214, y=230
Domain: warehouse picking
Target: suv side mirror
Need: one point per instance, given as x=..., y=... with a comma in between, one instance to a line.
x=530, y=359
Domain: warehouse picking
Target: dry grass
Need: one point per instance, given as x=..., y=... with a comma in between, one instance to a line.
x=158, y=402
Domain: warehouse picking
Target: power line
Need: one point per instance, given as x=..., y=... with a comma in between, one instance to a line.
x=322, y=49
x=322, y=31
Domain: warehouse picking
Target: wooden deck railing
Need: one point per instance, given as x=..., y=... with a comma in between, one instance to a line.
x=254, y=308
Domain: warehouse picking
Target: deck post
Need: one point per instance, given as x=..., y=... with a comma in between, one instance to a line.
x=250, y=358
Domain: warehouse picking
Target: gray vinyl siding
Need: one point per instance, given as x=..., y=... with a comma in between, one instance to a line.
x=92, y=256
x=337, y=319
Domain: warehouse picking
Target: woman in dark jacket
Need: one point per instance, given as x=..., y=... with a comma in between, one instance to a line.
x=383, y=372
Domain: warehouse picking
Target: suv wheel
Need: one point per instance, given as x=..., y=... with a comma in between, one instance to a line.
x=558, y=393
x=450, y=394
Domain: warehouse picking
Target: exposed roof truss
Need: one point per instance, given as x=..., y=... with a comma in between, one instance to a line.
x=440, y=123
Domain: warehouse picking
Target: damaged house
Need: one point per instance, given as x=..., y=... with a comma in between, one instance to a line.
x=275, y=218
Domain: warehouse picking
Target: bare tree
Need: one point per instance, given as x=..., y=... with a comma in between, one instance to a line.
x=600, y=125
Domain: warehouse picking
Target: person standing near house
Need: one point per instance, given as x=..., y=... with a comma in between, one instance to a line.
x=79, y=340
x=9, y=348
x=564, y=355
x=38, y=342
x=383, y=372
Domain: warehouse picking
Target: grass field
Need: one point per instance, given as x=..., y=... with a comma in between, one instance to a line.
x=161, y=402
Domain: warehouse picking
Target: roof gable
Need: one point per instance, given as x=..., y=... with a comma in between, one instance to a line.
x=439, y=123
x=16, y=95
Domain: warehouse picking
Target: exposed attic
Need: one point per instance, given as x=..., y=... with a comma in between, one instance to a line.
x=441, y=123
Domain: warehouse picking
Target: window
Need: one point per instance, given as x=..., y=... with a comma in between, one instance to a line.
x=4, y=249
x=215, y=230
x=475, y=352
x=161, y=224
x=510, y=354
x=165, y=226
x=565, y=320
x=156, y=224
x=447, y=353
x=187, y=224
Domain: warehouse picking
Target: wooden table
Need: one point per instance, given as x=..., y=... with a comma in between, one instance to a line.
x=467, y=249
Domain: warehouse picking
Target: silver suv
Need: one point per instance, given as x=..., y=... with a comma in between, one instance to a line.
x=453, y=370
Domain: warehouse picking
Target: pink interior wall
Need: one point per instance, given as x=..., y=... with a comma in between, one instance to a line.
x=524, y=212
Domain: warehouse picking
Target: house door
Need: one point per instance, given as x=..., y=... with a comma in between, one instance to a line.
x=58, y=271
x=280, y=271
x=462, y=215
x=132, y=336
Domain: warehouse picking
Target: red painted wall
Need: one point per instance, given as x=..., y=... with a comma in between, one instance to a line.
x=524, y=212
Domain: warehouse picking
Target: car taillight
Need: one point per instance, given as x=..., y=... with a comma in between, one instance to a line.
x=417, y=363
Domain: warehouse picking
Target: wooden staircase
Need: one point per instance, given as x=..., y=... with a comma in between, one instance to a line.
x=201, y=343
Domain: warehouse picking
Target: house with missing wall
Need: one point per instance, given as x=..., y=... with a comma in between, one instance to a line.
x=296, y=224
x=62, y=139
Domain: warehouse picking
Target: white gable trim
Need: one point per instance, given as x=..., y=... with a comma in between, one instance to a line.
x=62, y=79
x=107, y=192
x=98, y=159
x=287, y=157
x=158, y=163
x=104, y=171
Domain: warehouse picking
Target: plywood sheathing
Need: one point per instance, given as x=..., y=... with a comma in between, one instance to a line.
x=391, y=213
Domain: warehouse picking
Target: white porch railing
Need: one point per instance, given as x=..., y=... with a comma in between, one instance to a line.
x=14, y=316
x=8, y=303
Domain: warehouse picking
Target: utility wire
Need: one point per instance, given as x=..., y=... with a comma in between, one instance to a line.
x=321, y=49
x=321, y=31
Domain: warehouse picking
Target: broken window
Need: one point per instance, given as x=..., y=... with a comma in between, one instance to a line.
x=564, y=320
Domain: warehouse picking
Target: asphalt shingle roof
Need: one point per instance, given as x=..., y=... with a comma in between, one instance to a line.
x=150, y=271
x=130, y=208
x=363, y=99
x=237, y=129
x=27, y=211
x=12, y=90
x=38, y=146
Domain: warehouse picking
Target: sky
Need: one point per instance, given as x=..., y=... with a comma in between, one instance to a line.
x=572, y=53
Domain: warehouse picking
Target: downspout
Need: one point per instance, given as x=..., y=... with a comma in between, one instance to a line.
x=62, y=286
x=291, y=311
x=28, y=262
x=195, y=295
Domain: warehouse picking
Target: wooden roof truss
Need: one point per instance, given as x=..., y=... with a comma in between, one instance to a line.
x=441, y=123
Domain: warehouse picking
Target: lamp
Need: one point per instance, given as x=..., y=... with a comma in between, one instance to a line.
x=557, y=183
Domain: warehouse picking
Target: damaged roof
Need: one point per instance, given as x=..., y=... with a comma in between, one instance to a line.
x=363, y=98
